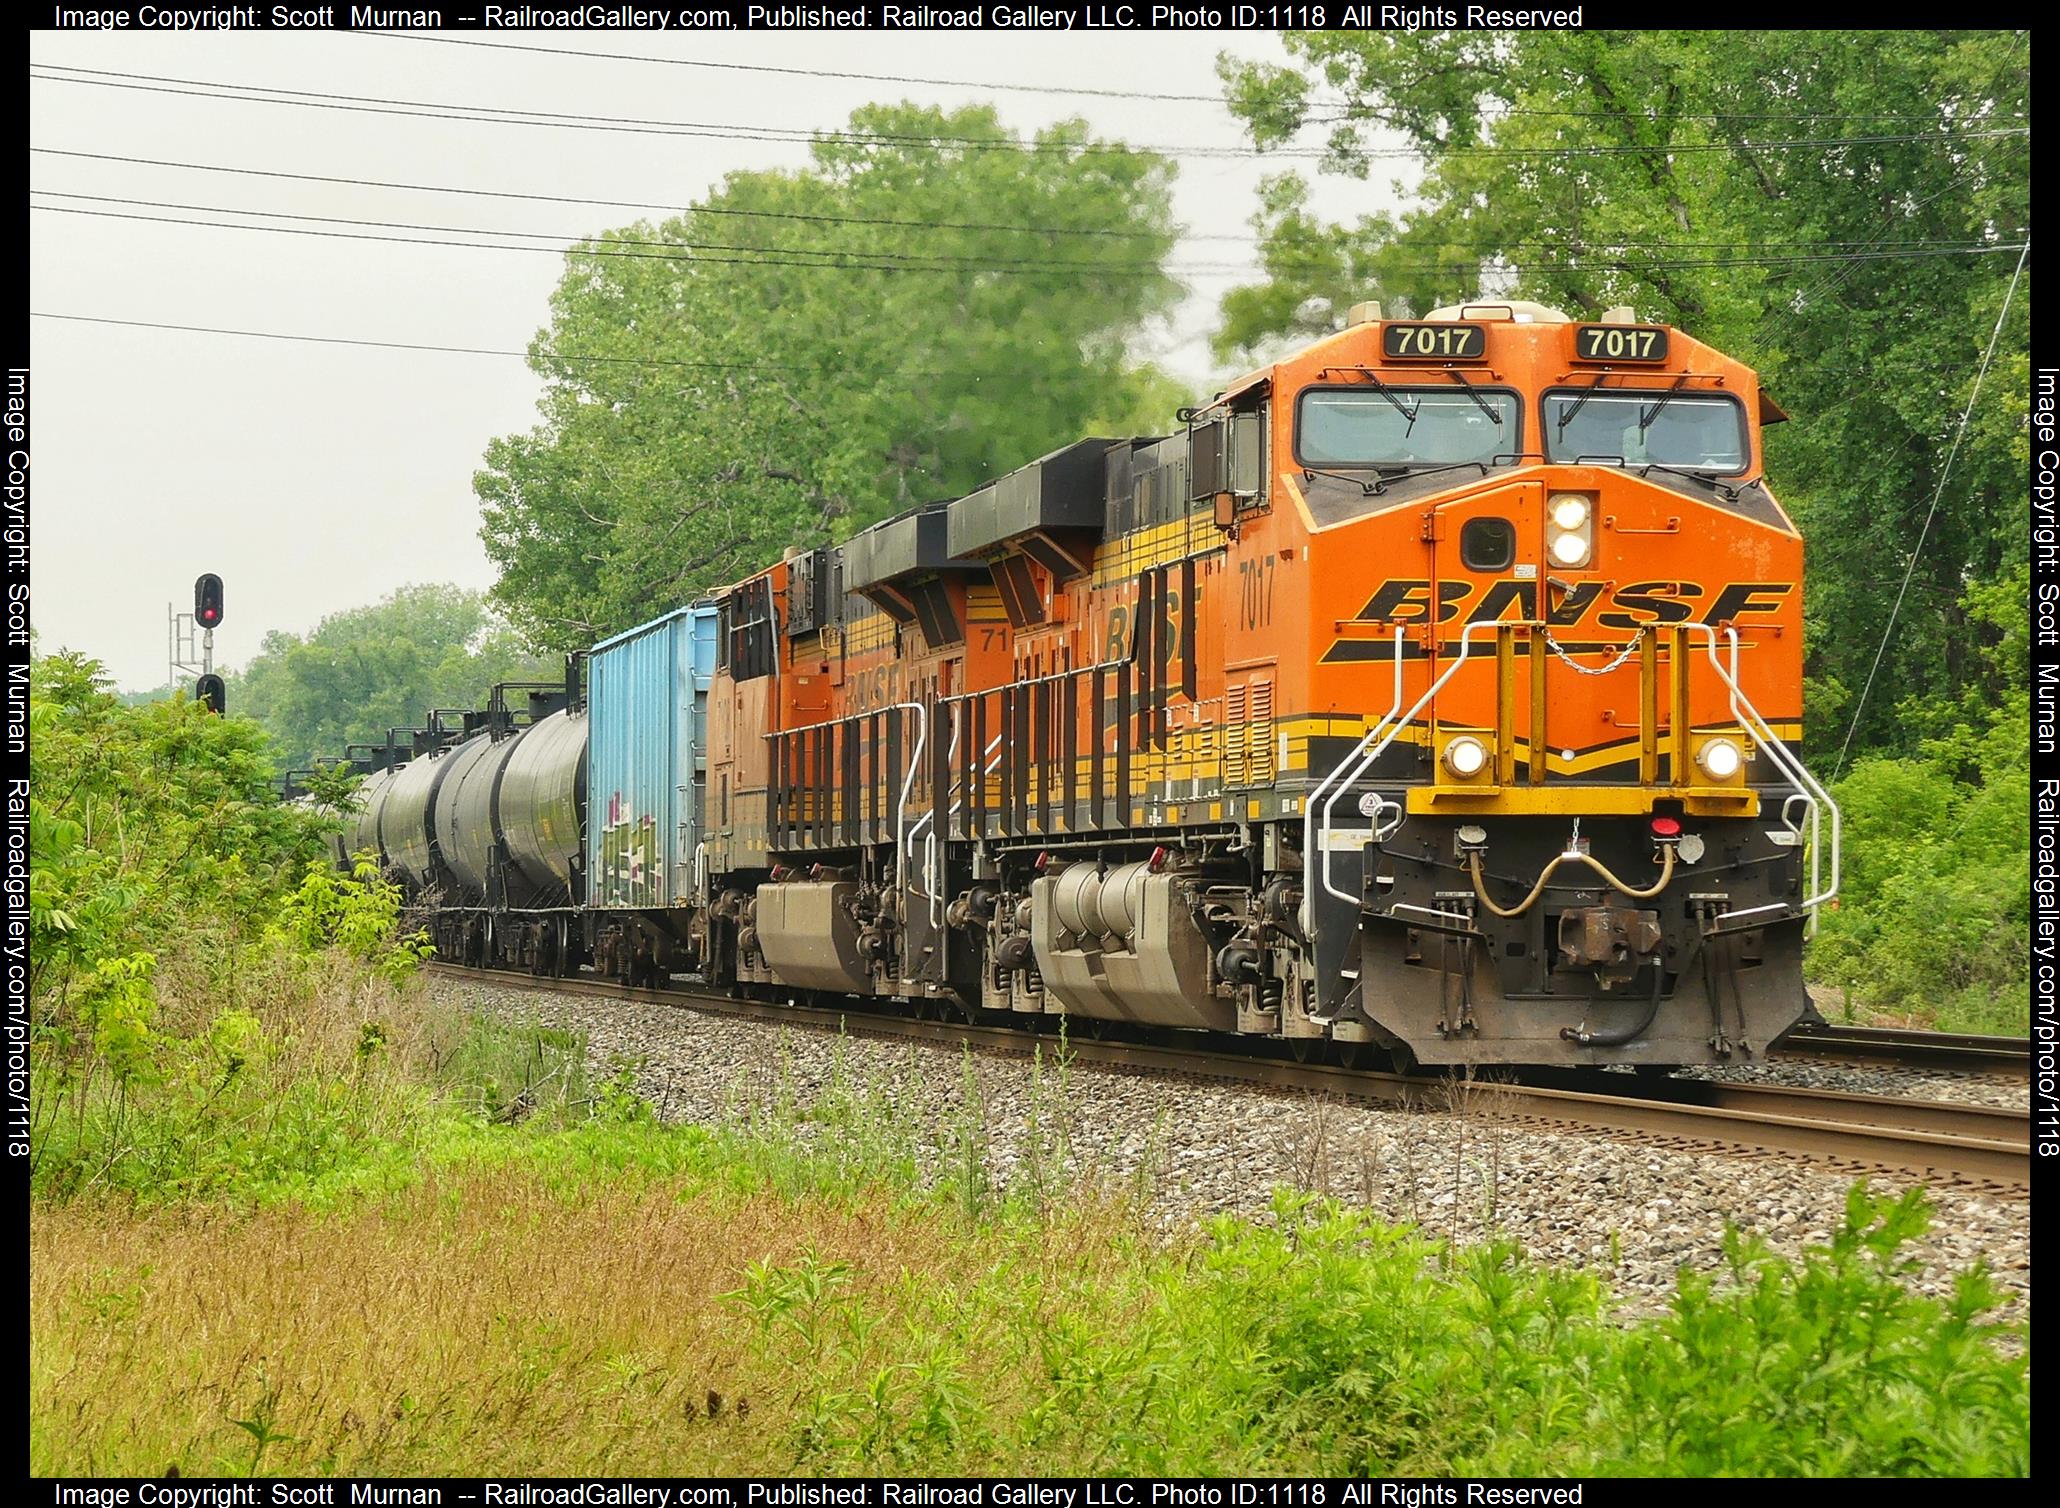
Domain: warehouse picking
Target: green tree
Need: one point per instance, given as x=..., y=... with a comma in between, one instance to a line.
x=919, y=310
x=1836, y=208
x=363, y=671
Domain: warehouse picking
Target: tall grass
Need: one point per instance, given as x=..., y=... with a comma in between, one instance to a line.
x=532, y=1274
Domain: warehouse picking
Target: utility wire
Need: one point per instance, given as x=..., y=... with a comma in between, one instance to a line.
x=676, y=209
x=403, y=345
x=856, y=261
x=1066, y=89
x=255, y=94
x=507, y=115
x=935, y=262
x=806, y=73
x=1966, y=415
x=1569, y=245
x=929, y=261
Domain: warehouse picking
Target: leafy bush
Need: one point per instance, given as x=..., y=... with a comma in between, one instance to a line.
x=212, y=1003
x=1934, y=924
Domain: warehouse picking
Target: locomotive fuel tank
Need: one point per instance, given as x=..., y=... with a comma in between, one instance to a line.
x=1123, y=945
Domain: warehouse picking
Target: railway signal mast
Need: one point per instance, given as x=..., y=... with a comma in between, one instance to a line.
x=191, y=638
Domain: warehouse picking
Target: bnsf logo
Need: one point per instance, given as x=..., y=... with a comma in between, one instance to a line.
x=1630, y=607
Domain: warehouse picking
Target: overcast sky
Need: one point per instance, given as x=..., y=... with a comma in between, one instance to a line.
x=316, y=478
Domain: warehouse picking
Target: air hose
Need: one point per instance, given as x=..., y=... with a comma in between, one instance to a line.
x=1621, y=1035
x=1480, y=889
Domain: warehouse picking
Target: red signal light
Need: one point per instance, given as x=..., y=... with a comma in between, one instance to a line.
x=207, y=600
x=1666, y=829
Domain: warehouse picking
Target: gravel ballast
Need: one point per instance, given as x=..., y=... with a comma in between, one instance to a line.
x=1632, y=1211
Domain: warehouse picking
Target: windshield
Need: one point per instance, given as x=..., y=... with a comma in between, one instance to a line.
x=1699, y=432
x=1419, y=427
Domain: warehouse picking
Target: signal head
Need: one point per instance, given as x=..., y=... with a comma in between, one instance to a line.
x=207, y=601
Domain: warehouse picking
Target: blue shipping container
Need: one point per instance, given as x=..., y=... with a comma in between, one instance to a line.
x=647, y=760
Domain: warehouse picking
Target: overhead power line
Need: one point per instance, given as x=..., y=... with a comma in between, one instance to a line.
x=1001, y=227
x=1944, y=474
x=807, y=73
x=839, y=368
x=1081, y=90
x=853, y=262
x=676, y=209
x=580, y=239
x=511, y=116
x=858, y=262
x=507, y=115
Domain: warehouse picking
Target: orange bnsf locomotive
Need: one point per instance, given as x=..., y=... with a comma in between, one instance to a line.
x=1436, y=691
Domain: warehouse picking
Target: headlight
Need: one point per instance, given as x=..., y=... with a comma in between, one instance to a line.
x=1570, y=531
x=1720, y=758
x=1466, y=757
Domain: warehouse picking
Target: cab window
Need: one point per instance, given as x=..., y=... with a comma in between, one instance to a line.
x=1404, y=426
x=1694, y=431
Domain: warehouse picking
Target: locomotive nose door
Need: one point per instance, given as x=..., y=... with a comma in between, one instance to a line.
x=1489, y=555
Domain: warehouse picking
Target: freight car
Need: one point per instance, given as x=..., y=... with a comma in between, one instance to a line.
x=1435, y=692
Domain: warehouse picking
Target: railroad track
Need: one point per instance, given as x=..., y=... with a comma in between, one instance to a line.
x=1872, y=1046
x=1943, y=1142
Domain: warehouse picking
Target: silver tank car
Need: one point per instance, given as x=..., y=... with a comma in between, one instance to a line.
x=361, y=834
x=404, y=818
x=542, y=791
x=462, y=813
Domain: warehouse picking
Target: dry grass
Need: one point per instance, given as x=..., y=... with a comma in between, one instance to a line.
x=486, y=1325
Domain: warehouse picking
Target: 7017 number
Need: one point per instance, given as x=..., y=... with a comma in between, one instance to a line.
x=1620, y=343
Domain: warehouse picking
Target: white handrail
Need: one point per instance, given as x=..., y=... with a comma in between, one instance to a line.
x=908, y=785
x=1309, y=806
x=1349, y=770
x=1812, y=792
x=1363, y=758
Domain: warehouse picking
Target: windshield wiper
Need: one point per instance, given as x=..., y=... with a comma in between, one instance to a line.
x=1400, y=407
x=1725, y=490
x=1460, y=377
x=1403, y=468
x=1648, y=415
x=1586, y=393
x=1373, y=488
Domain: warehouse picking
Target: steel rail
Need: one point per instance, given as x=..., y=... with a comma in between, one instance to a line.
x=1940, y=1141
x=1952, y=1052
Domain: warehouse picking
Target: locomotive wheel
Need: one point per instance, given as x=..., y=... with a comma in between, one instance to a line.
x=1302, y=1049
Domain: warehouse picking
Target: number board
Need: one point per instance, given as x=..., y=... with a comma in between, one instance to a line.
x=1620, y=343
x=1417, y=342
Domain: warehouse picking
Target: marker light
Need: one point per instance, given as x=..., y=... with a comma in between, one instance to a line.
x=1720, y=758
x=1569, y=512
x=1666, y=829
x=1466, y=757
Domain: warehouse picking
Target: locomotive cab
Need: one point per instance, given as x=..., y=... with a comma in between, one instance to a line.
x=1552, y=810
